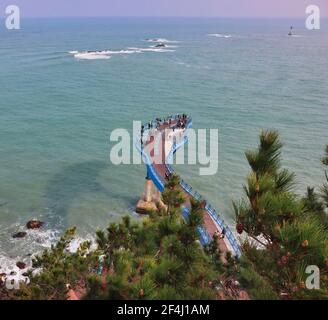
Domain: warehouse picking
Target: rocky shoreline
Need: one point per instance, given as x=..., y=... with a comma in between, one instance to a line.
x=8, y=280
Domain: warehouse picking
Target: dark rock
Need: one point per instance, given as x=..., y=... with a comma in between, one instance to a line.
x=34, y=224
x=2, y=279
x=21, y=265
x=13, y=273
x=161, y=45
x=19, y=235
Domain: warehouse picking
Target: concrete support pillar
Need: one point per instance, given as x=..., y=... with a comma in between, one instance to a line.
x=158, y=195
x=148, y=190
x=150, y=198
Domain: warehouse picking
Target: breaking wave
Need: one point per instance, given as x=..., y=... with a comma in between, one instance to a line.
x=160, y=40
x=28, y=247
x=107, y=54
x=91, y=56
x=22, y=250
x=152, y=49
x=220, y=35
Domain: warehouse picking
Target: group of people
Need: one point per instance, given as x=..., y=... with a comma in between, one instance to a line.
x=179, y=120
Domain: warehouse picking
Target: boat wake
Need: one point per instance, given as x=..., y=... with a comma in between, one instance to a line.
x=220, y=35
x=152, y=49
x=296, y=36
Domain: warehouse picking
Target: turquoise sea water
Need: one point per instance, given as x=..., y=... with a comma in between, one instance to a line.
x=57, y=112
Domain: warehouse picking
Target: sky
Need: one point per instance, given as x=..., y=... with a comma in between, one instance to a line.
x=221, y=8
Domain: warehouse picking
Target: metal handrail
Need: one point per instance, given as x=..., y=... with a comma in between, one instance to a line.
x=150, y=168
x=205, y=238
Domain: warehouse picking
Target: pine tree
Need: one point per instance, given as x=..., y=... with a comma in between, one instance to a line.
x=284, y=235
x=159, y=259
x=59, y=269
x=324, y=189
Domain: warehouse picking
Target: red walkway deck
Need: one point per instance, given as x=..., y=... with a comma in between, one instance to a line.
x=161, y=169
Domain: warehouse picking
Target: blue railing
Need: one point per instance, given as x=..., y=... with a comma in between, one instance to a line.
x=159, y=183
x=205, y=238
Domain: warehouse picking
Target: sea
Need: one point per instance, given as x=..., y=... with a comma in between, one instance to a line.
x=67, y=83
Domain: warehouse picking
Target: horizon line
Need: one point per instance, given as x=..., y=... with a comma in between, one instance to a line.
x=177, y=16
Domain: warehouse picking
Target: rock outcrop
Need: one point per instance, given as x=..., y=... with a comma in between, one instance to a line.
x=19, y=235
x=34, y=224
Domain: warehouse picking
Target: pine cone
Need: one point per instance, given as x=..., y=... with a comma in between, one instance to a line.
x=240, y=228
x=302, y=285
x=326, y=262
x=284, y=259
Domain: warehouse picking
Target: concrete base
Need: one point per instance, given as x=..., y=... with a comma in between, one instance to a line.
x=144, y=207
x=151, y=199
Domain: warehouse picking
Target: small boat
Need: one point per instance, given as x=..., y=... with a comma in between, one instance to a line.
x=290, y=33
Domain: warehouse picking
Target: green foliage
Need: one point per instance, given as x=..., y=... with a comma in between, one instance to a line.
x=312, y=201
x=324, y=189
x=267, y=158
x=161, y=258
x=258, y=286
x=284, y=234
x=307, y=241
x=94, y=284
x=324, y=194
x=173, y=196
x=59, y=268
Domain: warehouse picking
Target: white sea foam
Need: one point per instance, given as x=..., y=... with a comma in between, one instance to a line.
x=91, y=56
x=152, y=49
x=12, y=274
x=77, y=241
x=160, y=40
x=220, y=35
x=166, y=46
x=35, y=242
x=119, y=52
x=106, y=54
x=32, y=244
